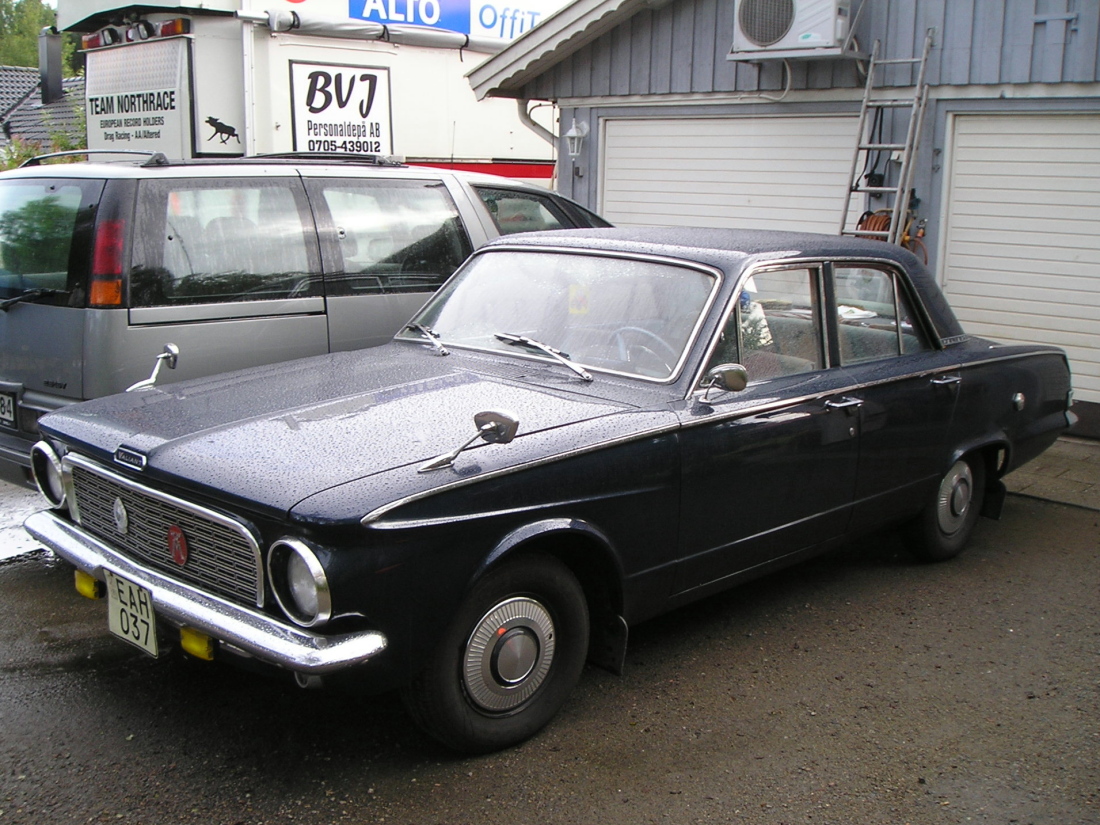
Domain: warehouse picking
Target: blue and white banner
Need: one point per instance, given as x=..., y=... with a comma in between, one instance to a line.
x=503, y=19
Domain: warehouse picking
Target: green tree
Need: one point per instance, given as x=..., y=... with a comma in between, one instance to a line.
x=20, y=23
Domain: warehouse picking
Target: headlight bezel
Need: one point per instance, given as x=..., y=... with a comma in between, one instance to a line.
x=281, y=555
x=46, y=462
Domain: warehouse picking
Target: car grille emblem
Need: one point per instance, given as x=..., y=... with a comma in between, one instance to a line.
x=122, y=518
x=177, y=545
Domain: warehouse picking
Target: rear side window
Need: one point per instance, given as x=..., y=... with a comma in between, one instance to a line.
x=515, y=211
x=207, y=241
x=874, y=320
x=44, y=230
x=392, y=236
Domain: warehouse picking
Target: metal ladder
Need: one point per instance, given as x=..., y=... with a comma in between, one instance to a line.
x=871, y=113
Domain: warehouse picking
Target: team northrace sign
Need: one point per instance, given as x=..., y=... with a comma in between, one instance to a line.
x=341, y=109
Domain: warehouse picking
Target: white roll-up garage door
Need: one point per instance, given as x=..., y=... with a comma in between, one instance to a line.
x=746, y=172
x=1021, y=258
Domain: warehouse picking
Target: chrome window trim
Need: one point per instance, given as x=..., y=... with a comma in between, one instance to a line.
x=901, y=282
x=71, y=460
x=681, y=263
x=814, y=265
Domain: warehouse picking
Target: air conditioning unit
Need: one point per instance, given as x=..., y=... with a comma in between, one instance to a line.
x=765, y=29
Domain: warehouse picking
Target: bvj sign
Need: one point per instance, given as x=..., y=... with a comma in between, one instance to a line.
x=340, y=109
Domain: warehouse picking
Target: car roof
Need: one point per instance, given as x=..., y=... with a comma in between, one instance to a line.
x=726, y=244
x=136, y=166
x=732, y=250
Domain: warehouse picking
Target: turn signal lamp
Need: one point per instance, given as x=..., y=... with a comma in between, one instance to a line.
x=89, y=586
x=197, y=644
x=106, y=286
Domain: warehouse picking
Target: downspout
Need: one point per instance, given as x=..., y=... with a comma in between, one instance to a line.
x=530, y=123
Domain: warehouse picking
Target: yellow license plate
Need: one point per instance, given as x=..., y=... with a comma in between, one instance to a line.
x=131, y=615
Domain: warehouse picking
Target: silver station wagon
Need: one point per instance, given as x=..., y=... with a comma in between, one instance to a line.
x=234, y=263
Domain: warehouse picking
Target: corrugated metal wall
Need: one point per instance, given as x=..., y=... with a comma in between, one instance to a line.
x=682, y=48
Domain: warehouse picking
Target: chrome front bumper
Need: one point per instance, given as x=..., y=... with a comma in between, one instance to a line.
x=248, y=631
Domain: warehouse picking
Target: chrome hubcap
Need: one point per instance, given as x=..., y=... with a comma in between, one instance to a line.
x=955, y=495
x=508, y=655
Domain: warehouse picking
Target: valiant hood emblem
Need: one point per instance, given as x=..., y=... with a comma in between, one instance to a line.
x=129, y=457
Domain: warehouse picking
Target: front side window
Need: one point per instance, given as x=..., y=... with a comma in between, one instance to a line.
x=393, y=236
x=874, y=319
x=201, y=242
x=515, y=211
x=38, y=222
x=617, y=314
x=775, y=328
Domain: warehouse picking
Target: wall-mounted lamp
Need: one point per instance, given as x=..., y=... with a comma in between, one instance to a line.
x=574, y=138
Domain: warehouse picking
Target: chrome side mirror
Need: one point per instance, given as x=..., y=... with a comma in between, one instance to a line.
x=170, y=356
x=727, y=377
x=492, y=427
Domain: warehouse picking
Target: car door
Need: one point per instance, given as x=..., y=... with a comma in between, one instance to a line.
x=907, y=391
x=771, y=470
x=389, y=243
x=226, y=268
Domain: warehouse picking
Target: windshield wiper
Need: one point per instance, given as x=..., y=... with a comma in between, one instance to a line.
x=559, y=356
x=430, y=335
x=29, y=295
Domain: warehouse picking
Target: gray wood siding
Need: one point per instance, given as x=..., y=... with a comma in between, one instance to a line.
x=682, y=48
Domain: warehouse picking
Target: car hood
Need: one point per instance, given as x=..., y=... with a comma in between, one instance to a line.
x=273, y=436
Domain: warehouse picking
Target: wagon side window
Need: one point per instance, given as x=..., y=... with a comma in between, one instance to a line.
x=874, y=317
x=213, y=241
x=393, y=236
x=775, y=328
x=514, y=211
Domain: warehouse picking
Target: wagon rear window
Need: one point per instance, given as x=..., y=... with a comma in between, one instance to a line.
x=38, y=221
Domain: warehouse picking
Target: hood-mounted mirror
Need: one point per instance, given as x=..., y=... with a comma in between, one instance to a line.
x=170, y=356
x=492, y=427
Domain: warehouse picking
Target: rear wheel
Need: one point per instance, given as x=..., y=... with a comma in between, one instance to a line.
x=508, y=661
x=943, y=528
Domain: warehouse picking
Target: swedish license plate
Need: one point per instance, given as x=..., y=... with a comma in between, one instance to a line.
x=7, y=409
x=131, y=614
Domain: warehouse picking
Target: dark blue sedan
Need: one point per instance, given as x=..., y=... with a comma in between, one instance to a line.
x=581, y=430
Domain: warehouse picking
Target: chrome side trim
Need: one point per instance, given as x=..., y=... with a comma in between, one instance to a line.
x=258, y=635
x=71, y=460
x=379, y=512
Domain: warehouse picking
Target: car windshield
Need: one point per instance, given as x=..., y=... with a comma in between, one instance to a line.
x=610, y=314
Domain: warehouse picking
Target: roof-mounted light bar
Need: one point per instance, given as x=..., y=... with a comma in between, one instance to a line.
x=138, y=31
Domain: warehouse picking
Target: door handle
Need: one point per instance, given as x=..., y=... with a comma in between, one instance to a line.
x=946, y=380
x=848, y=404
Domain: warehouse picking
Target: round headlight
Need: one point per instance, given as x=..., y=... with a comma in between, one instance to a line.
x=46, y=468
x=299, y=583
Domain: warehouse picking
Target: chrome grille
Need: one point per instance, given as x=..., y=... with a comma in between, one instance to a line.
x=223, y=555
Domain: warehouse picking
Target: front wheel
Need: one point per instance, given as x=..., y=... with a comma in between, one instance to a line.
x=943, y=528
x=508, y=661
